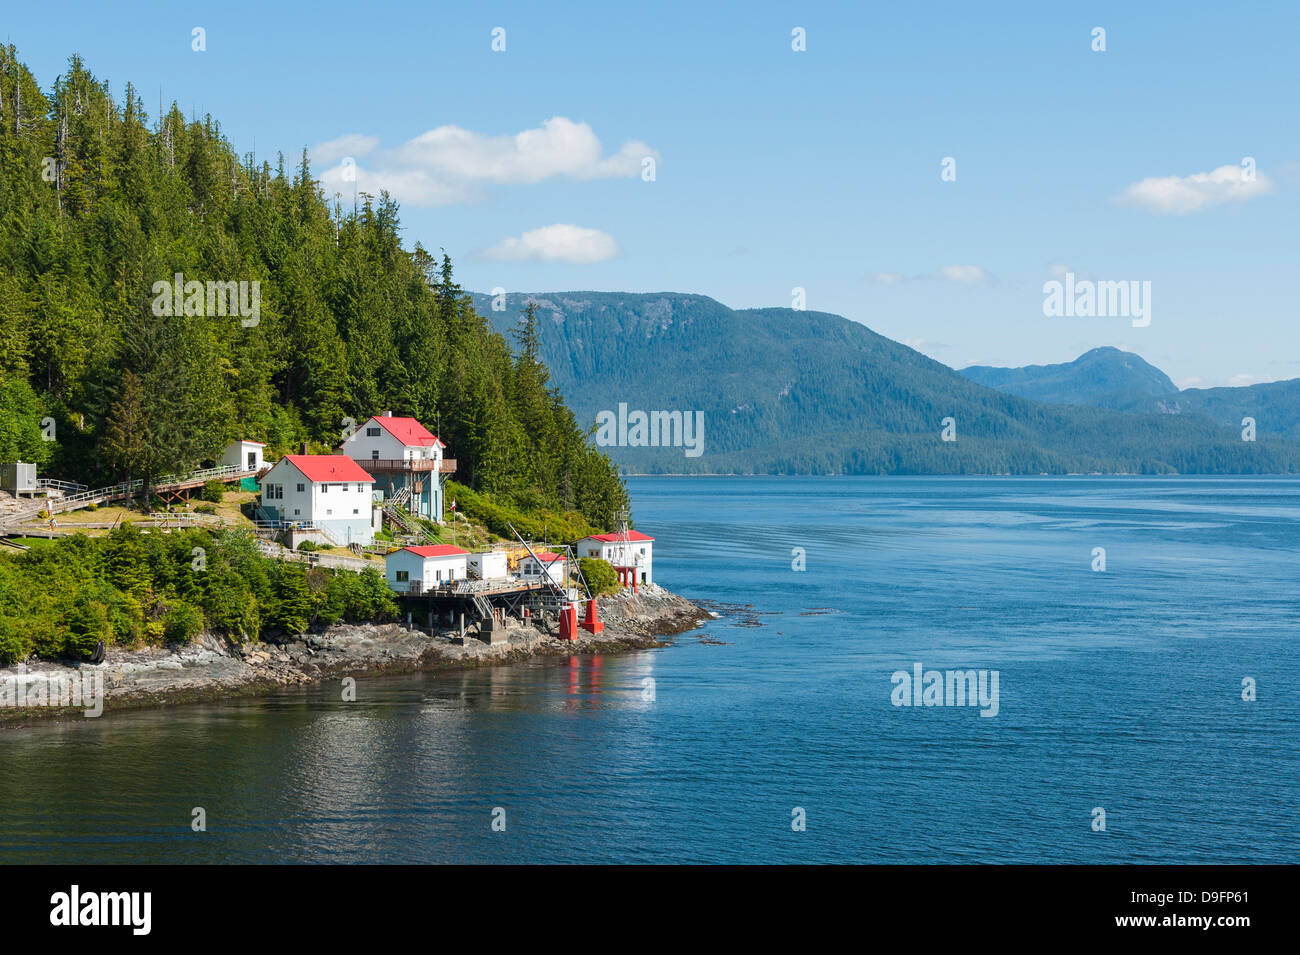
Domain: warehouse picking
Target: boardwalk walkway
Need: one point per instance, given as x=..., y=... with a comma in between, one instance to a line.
x=173, y=485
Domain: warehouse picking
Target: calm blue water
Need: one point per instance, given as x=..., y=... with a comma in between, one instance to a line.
x=1119, y=690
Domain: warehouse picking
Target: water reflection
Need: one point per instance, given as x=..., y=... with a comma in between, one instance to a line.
x=1120, y=684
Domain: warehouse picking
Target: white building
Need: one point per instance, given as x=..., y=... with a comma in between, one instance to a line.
x=546, y=564
x=632, y=555
x=330, y=492
x=421, y=569
x=402, y=453
x=245, y=455
x=489, y=565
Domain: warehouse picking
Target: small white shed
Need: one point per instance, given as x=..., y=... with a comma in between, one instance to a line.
x=489, y=565
x=546, y=565
x=245, y=455
x=420, y=569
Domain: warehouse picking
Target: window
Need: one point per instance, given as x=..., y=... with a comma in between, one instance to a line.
x=374, y=455
x=355, y=511
x=328, y=512
x=373, y=432
x=296, y=512
x=403, y=576
x=301, y=488
x=324, y=488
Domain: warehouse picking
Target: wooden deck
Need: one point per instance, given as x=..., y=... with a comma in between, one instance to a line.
x=446, y=466
x=476, y=588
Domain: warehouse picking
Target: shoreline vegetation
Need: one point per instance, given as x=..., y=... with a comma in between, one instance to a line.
x=103, y=383
x=211, y=668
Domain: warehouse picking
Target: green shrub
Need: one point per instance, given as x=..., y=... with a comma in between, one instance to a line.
x=61, y=598
x=306, y=547
x=535, y=524
x=14, y=646
x=291, y=605
x=184, y=622
x=205, y=509
x=86, y=624
x=213, y=491
x=600, y=575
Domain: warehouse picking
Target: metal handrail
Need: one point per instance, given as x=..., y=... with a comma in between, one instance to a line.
x=57, y=485
x=126, y=488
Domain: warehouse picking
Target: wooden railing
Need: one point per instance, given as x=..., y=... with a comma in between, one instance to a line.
x=445, y=466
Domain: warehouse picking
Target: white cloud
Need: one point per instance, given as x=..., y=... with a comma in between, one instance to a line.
x=925, y=345
x=966, y=274
x=449, y=164
x=353, y=144
x=556, y=243
x=1179, y=195
x=1243, y=379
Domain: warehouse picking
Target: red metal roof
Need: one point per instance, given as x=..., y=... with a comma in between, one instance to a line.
x=410, y=432
x=614, y=538
x=547, y=557
x=436, y=550
x=328, y=468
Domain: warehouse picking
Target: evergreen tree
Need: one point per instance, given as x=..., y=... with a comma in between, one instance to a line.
x=349, y=322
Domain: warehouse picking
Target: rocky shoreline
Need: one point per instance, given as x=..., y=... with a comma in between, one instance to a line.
x=211, y=668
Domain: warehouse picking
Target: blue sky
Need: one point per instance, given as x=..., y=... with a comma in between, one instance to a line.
x=775, y=168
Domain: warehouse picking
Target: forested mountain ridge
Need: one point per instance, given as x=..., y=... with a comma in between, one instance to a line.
x=1105, y=377
x=99, y=203
x=1273, y=405
x=799, y=392
x=1110, y=378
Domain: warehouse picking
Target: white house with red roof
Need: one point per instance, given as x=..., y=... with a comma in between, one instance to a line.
x=400, y=453
x=547, y=564
x=329, y=492
x=424, y=568
x=631, y=553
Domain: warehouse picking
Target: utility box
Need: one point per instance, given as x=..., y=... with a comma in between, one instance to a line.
x=18, y=478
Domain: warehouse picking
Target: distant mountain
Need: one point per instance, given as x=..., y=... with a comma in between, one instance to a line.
x=798, y=392
x=1105, y=377
x=1110, y=378
x=1275, y=406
